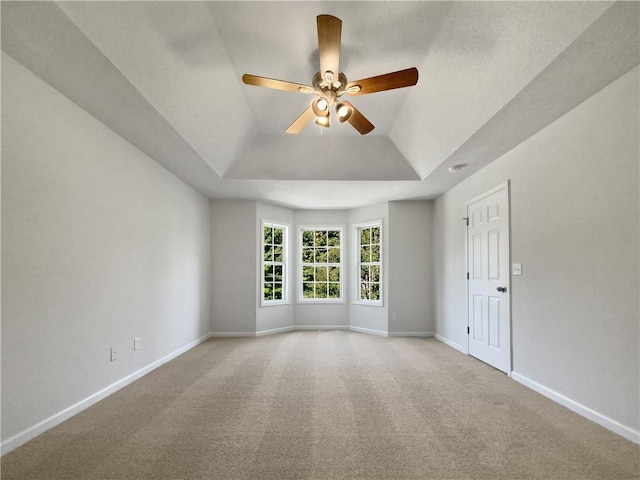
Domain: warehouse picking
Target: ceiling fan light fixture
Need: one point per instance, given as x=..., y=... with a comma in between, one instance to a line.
x=320, y=106
x=323, y=121
x=343, y=111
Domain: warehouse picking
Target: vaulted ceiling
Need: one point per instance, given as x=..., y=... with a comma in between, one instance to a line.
x=166, y=76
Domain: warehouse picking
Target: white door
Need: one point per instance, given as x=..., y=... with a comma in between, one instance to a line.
x=488, y=272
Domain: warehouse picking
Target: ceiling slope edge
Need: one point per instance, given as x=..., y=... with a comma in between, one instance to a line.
x=423, y=146
x=606, y=50
x=35, y=33
x=172, y=53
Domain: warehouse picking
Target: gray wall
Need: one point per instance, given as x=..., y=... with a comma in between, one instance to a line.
x=233, y=266
x=99, y=245
x=407, y=288
x=410, y=268
x=236, y=254
x=574, y=228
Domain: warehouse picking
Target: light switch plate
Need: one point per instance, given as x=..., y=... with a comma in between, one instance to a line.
x=516, y=269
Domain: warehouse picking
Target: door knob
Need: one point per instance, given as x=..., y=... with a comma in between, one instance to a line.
x=502, y=289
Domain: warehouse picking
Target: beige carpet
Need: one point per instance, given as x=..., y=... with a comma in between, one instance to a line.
x=327, y=405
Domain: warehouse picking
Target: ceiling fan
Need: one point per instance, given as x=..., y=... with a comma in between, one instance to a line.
x=329, y=84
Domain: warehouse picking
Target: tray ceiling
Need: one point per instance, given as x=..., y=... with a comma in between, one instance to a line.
x=166, y=77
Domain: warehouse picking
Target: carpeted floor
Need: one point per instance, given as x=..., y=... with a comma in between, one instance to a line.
x=329, y=405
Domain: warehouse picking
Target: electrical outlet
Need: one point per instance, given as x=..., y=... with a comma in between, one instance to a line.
x=516, y=269
x=114, y=355
x=136, y=343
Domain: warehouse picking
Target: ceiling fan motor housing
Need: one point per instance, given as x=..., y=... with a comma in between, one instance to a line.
x=331, y=91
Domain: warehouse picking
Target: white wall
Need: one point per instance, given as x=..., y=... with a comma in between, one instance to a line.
x=370, y=318
x=574, y=228
x=410, y=268
x=100, y=244
x=274, y=317
x=233, y=266
x=310, y=315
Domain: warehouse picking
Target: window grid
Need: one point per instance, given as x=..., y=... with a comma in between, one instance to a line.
x=274, y=263
x=369, y=264
x=320, y=254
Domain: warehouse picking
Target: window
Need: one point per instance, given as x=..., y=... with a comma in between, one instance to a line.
x=369, y=264
x=320, y=264
x=274, y=263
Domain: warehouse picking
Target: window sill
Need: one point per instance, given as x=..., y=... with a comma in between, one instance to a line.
x=369, y=303
x=274, y=303
x=318, y=301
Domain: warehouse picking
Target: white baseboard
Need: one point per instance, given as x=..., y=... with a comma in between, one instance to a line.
x=380, y=333
x=454, y=345
x=613, y=425
x=232, y=334
x=271, y=331
x=412, y=334
x=321, y=327
x=35, y=430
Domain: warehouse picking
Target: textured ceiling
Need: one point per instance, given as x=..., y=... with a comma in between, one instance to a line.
x=167, y=77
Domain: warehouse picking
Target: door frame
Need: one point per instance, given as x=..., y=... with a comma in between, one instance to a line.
x=504, y=185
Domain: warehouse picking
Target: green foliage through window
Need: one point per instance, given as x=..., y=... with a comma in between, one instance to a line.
x=369, y=263
x=320, y=255
x=274, y=274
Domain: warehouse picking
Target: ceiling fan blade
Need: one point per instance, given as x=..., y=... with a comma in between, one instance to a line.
x=274, y=84
x=299, y=123
x=359, y=121
x=388, y=81
x=329, y=37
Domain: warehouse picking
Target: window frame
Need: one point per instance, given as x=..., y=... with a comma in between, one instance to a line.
x=300, y=264
x=357, y=263
x=285, y=300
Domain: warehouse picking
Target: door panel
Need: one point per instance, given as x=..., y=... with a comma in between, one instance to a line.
x=477, y=256
x=493, y=240
x=494, y=322
x=477, y=317
x=488, y=260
